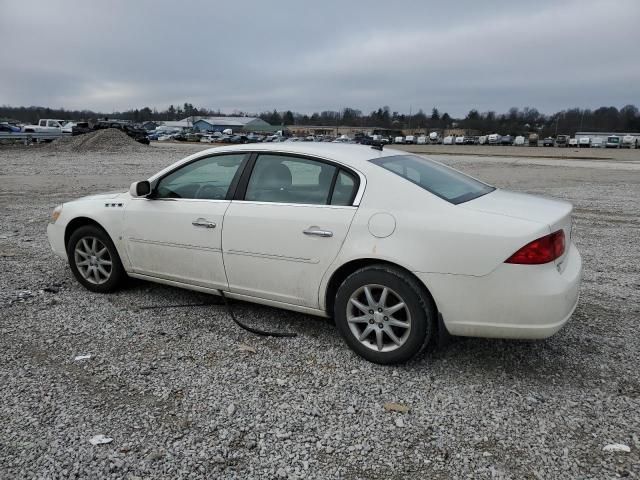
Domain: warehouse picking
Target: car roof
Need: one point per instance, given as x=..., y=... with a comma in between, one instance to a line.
x=348, y=154
x=351, y=155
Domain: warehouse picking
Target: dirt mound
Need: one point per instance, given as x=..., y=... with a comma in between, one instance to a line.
x=109, y=140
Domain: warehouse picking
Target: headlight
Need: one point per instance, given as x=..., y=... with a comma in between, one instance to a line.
x=56, y=213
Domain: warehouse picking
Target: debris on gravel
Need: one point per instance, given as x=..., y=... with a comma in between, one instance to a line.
x=181, y=397
x=617, y=447
x=108, y=140
x=99, y=440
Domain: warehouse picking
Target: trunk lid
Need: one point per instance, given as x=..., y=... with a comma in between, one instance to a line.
x=556, y=214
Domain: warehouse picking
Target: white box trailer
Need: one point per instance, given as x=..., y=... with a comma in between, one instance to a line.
x=599, y=139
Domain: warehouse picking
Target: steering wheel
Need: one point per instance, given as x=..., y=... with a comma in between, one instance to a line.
x=210, y=192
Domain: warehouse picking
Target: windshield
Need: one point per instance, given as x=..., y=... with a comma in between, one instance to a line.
x=448, y=184
x=613, y=140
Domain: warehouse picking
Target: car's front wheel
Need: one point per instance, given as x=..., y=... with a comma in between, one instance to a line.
x=384, y=314
x=94, y=259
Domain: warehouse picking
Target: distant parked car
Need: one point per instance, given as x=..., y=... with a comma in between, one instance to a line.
x=494, y=139
x=398, y=140
x=45, y=125
x=629, y=141
x=239, y=139
x=470, y=140
x=613, y=141
x=422, y=139
x=255, y=138
x=584, y=142
x=9, y=128
x=410, y=139
x=507, y=140
x=80, y=128
x=533, y=139
x=548, y=142
x=519, y=141
x=434, y=137
x=483, y=140
x=459, y=140
x=448, y=140
x=597, y=142
x=573, y=142
x=562, y=141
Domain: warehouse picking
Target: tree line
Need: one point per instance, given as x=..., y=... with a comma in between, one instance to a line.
x=514, y=122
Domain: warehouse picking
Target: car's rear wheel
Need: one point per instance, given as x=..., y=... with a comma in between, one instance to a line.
x=384, y=314
x=94, y=260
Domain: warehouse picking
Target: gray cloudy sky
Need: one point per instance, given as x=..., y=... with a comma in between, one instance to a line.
x=313, y=56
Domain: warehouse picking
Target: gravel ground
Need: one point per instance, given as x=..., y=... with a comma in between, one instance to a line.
x=184, y=393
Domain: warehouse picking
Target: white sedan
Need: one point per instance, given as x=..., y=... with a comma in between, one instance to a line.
x=395, y=247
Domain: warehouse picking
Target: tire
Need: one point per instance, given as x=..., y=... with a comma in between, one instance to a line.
x=104, y=272
x=414, y=324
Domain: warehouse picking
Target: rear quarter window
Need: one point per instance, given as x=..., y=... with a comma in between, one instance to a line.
x=449, y=184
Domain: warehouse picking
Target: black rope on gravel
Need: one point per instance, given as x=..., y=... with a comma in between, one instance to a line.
x=225, y=302
x=255, y=331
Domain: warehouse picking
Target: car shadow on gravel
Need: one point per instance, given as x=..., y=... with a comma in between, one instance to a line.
x=557, y=359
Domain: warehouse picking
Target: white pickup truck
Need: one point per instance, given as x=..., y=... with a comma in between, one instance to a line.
x=46, y=125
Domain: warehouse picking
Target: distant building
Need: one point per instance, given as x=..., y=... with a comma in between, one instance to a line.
x=175, y=124
x=245, y=124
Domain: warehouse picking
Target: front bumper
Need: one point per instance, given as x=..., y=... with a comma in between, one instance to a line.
x=55, y=233
x=514, y=301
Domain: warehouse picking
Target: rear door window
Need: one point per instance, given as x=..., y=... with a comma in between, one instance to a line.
x=288, y=179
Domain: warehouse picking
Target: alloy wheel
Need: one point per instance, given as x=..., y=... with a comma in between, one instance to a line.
x=379, y=318
x=93, y=260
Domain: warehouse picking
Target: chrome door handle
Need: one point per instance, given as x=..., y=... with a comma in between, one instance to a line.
x=204, y=223
x=318, y=232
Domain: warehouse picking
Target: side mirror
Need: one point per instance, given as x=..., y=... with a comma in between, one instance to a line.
x=140, y=189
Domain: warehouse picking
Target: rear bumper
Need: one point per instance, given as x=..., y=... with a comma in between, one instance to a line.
x=55, y=233
x=514, y=301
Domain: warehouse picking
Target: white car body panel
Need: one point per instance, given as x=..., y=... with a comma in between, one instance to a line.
x=292, y=261
x=182, y=252
x=258, y=251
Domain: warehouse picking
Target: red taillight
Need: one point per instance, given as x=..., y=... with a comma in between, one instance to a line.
x=543, y=250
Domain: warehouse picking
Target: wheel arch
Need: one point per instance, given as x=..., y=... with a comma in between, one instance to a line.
x=341, y=273
x=78, y=222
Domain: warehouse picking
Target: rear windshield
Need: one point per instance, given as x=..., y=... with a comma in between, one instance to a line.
x=446, y=183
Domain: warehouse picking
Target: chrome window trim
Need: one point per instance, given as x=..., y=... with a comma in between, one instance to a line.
x=363, y=180
x=181, y=199
x=284, y=204
x=208, y=153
